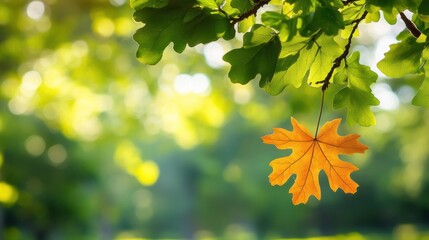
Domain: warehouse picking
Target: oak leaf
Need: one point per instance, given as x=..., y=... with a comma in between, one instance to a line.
x=310, y=155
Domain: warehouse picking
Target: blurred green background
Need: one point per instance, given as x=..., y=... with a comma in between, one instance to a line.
x=95, y=145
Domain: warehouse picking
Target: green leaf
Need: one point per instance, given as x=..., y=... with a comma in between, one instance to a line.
x=425, y=53
x=358, y=104
x=242, y=5
x=235, y=8
x=258, y=57
x=304, y=59
x=292, y=68
x=357, y=96
x=246, y=24
x=329, y=19
x=332, y=3
x=340, y=76
x=211, y=4
x=402, y=58
x=328, y=50
x=303, y=5
x=162, y=27
x=391, y=8
x=207, y=27
x=424, y=8
x=258, y=35
x=280, y=80
x=352, y=12
x=139, y=4
x=277, y=2
x=390, y=17
x=373, y=17
x=185, y=25
x=422, y=96
x=287, y=27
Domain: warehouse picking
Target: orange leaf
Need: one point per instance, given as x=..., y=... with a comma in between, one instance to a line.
x=310, y=155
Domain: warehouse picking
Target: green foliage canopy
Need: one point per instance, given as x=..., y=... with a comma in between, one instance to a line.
x=294, y=41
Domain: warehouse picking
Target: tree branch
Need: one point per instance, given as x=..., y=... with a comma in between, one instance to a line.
x=337, y=61
x=347, y=2
x=410, y=25
x=251, y=12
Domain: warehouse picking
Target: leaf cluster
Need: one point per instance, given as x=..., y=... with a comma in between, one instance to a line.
x=294, y=42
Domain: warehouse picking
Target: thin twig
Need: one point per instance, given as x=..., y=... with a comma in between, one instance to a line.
x=251, y=12
x=410, y=25
x=337, y=61
x=347, y=2
x=222, y=11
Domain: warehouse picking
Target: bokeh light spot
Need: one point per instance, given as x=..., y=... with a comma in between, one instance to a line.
x=19, y=105
x=124, y=26
x=384, y=122
x=30, y=82
x=117, y=3
x=35, y=10
x=388, y=99
x=79, y=48
x=128, y=157
x=213, y=53
x=198, y=84
x=8, y=194
x=232, y=173
x=406, y=94
x=242, y=93
x=104, y=26
x=57, y=154
x=147, y=173
x=35, y=145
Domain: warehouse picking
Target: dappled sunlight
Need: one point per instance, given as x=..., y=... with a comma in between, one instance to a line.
x=35, y=10
x=179, y=115
x=232, y=173
x=104, y=26
x=213, y=53
x=198, y=84
x=406, y=232
x=57, y=154
x=406, y=94
x=385, y=122
x=35, y=145
x=128, y=157
x=388, y=99
x=147, y=173
x=8, y=194
x=258, y=113
x=143, y=199
x=242, y=93
x=30, y=82
x=124, y=26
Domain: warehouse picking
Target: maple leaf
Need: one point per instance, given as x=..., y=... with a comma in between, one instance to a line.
x=310, y=155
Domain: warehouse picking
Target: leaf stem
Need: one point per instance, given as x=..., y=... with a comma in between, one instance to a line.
x=320, y=114
x=251, y=12
x=410, y=25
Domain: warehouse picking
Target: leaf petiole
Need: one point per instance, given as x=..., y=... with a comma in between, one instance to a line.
x=320, y=113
